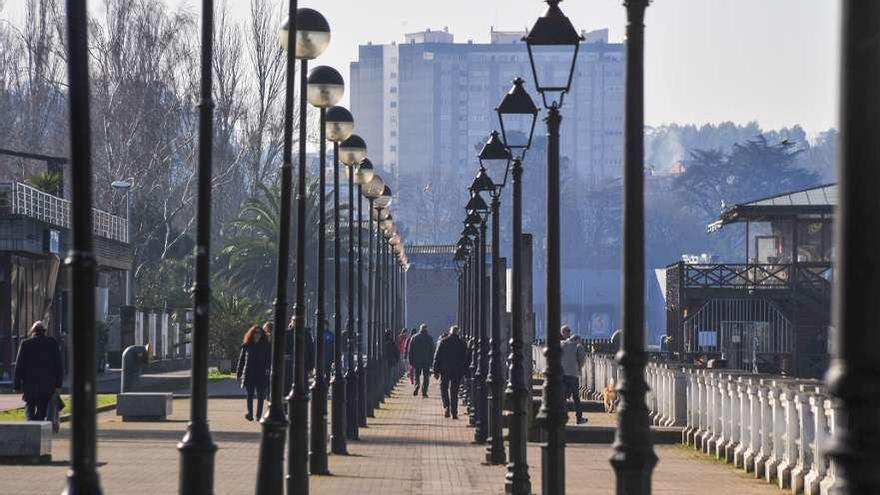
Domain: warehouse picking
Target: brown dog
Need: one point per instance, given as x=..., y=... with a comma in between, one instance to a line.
x=609, y=397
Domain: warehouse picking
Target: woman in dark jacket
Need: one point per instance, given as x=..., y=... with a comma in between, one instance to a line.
x=254, y=364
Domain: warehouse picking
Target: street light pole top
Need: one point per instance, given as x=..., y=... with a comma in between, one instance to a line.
x=325, y=86
x=352, y=151
x=312, y=34
x=364, y=172
x=338, y=124
x=384, y=201
x=374, y=187
x=552, y=36
x=473, y=219
x=517, y=114
x=553, y=28
x=482, y=182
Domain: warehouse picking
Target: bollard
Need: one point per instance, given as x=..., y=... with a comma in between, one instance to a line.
x=133, y=358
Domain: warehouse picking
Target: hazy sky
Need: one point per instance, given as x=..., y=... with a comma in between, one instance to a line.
x=774, y=61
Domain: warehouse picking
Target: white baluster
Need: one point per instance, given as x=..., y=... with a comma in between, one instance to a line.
x=819, y=465
x=806, y=436
x=766, y=428
x=745, y=419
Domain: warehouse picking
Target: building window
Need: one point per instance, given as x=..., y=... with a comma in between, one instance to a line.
x=393, y=104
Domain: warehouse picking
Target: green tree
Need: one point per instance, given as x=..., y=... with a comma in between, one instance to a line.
x=250, y=254
x=231, y=316
x=48, y=182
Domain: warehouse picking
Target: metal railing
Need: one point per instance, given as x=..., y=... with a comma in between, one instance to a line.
x=20, y=199
x=774, y=427
x=814, y=276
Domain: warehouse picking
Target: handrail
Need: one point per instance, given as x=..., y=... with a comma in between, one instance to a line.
x=21, y=199
x=771, y=276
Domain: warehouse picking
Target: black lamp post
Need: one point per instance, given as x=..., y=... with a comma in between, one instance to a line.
x=473, y=224
x=351, y=418
x=337, y=429
x=468, y=234
x=372, y=189
x=633, y=459
x=382, y=203
x=83, y=475
x=478, y=212
x=853, y=375
x=517, y=114
x=312, y=37
x=551, y=36
x=363, y=177
x=274, y=422
x=197, y=449
x=497, y=156
x=325, y=89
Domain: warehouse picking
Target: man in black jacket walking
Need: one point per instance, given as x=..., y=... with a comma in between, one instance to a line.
x=38, y=371
x=450, y=363
x=419, y=354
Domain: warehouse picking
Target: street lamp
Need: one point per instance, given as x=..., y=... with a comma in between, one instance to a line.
x=495, y=155
x=340, y=125
x=551, y=35
x=473, y=225
x=634, y=458
x=311, y=34
x=325, y=88
x=466, y=242
x=363, y=175
x=197, y=448
x=379, y=204
x=354, y=150
x=83, y=475
x=517, y=107
x=372, y=189
x=125, y=185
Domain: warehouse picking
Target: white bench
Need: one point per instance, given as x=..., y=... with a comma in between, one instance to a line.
x=144, y=406
x=25, y=442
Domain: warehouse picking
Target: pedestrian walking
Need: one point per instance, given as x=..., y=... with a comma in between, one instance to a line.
x=409, y=367
x=573, y=359
x=254, y=363
x=392, y=359
x=420, y=356
x=450, y=365
x=39, y=372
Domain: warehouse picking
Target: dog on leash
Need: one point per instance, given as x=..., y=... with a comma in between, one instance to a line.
x=609, y=397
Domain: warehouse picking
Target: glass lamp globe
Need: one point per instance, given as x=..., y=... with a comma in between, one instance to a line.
x=325, y=87
x=352, y=151
x=312, y=34
x=338, y=124
x=374, y=187
x=364, y=172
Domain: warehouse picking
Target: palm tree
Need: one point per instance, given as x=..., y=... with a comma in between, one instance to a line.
x=48, y=182
x=248, y=259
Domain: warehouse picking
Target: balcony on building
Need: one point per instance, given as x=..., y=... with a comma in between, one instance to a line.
x=770, y=313
x=34, y=238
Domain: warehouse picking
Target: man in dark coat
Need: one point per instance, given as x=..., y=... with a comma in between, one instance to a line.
x=450, y=363
x=38, y=372
x=420, y=354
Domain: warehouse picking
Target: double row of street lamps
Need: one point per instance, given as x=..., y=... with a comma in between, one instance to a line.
x=552, y=42
x=308, y=32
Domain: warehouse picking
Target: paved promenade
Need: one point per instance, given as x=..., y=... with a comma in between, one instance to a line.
x=409, y=448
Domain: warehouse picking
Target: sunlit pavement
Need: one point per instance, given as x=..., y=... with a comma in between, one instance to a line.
x=409, y=448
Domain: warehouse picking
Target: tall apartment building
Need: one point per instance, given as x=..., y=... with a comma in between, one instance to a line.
x=429, y=102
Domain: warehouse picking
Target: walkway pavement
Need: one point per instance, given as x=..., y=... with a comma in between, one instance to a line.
x=409, y=448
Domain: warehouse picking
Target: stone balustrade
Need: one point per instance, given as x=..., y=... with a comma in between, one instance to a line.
x=775, y=428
